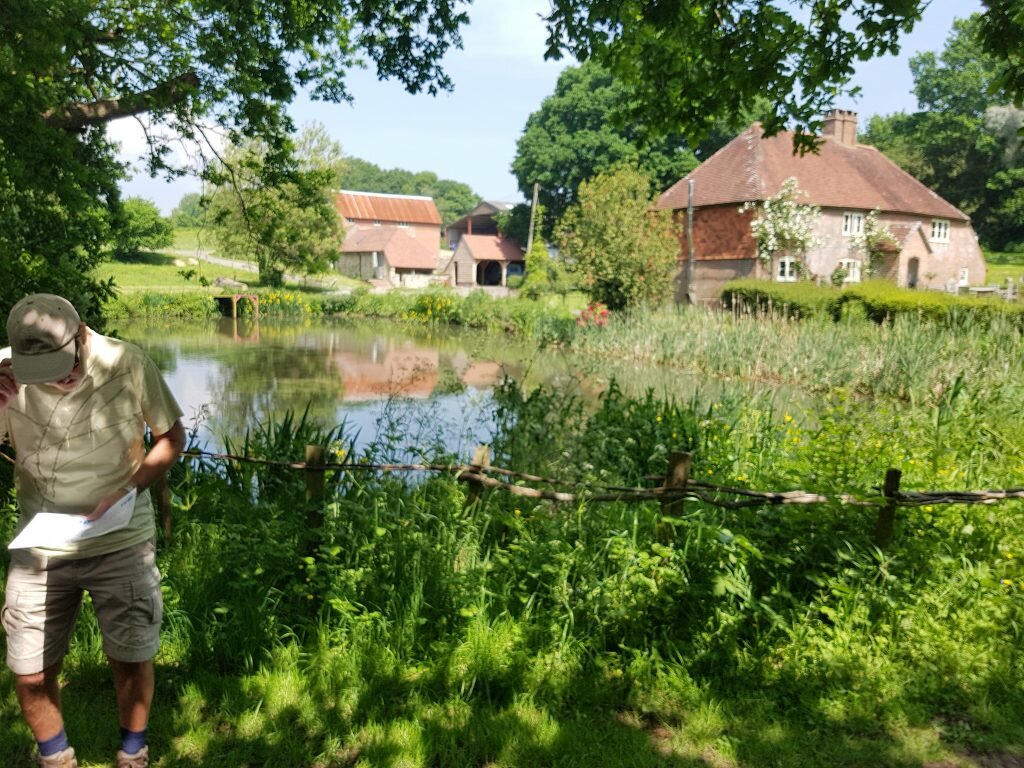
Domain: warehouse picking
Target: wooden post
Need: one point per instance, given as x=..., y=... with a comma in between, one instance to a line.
x=887, y=514
x=314, y=484
x=677, y=476
x=481, y=459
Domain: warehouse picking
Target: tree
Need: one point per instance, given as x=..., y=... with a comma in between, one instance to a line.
x=68, y=68
x=965, y=143
x=574, y=136
x=288, y=225
x=142, y=228
x=190, y=211
x=626, y=253
x=689, y=62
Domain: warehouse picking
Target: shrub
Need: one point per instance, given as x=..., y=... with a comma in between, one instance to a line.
x=790, y=299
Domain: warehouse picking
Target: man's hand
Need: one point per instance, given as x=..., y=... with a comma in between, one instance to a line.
x=8, y=386
x=106, y=503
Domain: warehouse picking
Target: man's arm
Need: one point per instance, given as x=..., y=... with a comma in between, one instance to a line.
x=166, y=449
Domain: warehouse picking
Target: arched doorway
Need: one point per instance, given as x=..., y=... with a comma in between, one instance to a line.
x=913, y=265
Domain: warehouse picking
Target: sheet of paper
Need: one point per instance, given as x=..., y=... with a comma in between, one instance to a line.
x=53, y=529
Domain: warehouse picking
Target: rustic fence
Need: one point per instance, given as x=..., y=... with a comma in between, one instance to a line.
x=674, y=489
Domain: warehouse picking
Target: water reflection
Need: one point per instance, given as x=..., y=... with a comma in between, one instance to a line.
x=419, y=387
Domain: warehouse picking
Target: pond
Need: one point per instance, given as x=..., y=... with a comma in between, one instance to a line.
x=422, y=387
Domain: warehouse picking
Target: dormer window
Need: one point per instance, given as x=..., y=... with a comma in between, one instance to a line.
x=853, y=223
x=940, y=231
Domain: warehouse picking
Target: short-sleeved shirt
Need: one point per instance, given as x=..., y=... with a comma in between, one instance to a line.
x=73, y=448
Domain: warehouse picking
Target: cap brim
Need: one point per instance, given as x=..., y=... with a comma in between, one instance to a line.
x=45, y=368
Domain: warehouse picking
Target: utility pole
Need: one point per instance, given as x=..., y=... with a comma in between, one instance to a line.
x=533, y=213
x=691, y=258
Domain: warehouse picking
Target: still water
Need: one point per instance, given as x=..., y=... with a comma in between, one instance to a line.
x=427, y=388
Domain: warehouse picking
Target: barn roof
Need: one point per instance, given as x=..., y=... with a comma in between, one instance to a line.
x=374, y=206
x=491, y=248
x=752, y=167
x=400, y=250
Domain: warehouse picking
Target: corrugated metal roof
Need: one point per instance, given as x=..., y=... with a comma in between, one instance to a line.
x=400, y=250
x=753, y=167
x=373, y=206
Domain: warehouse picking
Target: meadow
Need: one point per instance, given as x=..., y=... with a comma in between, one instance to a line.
x=403, y=620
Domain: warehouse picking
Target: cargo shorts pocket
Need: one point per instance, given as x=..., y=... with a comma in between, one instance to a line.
x=129, y=612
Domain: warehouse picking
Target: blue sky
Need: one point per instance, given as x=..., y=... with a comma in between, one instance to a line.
x=500, y=77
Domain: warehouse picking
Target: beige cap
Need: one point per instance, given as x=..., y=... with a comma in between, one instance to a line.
x=41, y=329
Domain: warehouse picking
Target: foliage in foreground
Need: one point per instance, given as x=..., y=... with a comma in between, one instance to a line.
x=398, y=621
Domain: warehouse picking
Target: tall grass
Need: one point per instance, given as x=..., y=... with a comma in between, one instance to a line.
x=908, y=359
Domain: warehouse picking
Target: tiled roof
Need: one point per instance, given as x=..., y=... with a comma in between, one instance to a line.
x=372, y=206
x=752, y=167
x=400, y=250
x=492, y=248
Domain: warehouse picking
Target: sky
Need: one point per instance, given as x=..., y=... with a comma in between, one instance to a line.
x=500, y=77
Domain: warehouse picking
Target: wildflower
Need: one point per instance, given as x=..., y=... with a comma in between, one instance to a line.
x=517, y=512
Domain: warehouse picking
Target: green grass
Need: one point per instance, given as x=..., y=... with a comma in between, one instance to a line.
x=1000, y=266
x=193, y=239
x=164, y=272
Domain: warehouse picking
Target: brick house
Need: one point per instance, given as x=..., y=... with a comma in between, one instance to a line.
x=390, y=239
x=935, y=245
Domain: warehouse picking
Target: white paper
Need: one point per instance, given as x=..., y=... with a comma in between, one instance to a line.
x=53, y=529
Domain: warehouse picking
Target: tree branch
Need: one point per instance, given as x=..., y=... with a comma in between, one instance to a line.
x=82, y=115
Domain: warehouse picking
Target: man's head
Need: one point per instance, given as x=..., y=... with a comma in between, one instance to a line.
x=42, y=330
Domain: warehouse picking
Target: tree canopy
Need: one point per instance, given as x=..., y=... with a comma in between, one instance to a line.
x=693, y=61
x=625, y=252
x=573, y=136
x=191, y=67
x=965, y=143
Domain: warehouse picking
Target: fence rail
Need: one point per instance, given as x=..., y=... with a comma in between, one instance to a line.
x=674, y=490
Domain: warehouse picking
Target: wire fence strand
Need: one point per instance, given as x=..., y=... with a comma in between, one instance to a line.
x=728, y=497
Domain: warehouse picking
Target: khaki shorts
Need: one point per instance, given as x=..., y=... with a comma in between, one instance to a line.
x=44, y=597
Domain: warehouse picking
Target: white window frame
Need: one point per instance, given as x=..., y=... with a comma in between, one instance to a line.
x=853, y=223
x=786, y=271
x=963, y=277
x=852, y=267
x=940, y=231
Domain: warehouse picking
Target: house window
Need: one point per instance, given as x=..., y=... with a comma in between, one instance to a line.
x=376, y=259
x=962, y=279
x=852, y=267
x=376, y=222
x=940, y=231
x=403, y=224
x=787, y=270
x=853, y=223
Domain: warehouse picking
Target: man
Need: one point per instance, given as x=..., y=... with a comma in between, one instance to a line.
x=75, y=406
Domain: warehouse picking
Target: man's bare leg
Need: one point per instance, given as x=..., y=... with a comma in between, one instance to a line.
x=134, y=684
x=39, y=697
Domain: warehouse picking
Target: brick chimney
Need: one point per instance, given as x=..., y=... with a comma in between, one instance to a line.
x=841, y=125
